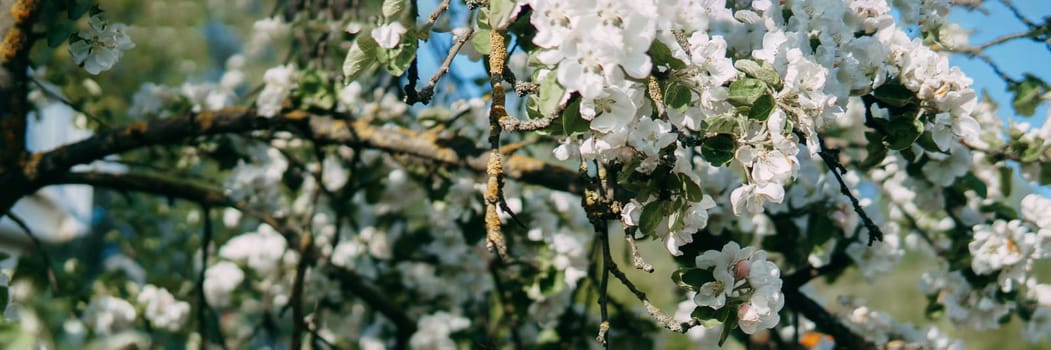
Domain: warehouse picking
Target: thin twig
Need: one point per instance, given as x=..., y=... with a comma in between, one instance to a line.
x=1018, y=14
x=427, y=92
x=40, y=249
x=603, y=297
x=636, y=257
x=433, y=18
x=79, y=107
x=202, y=308
x=831, y=161
x=306, y=243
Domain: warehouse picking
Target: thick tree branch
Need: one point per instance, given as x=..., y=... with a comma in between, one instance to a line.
x=42, y=168
x=825, y=321
x=14, y=83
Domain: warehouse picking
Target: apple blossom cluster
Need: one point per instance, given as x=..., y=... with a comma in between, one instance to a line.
x=433, y=331
x=806, y=69
x=258, y=182
x=742, y=280
x=162, y=309
x=279, y=82
x=100, y=47
x=107, y=314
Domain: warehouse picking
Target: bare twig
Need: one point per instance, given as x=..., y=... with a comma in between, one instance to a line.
x=306, y=245
x=433, y=18
x=1018, y=14
x=427, y=92
x=203, y=309
x=636, y=257
x=832, y=162
x=52, y=280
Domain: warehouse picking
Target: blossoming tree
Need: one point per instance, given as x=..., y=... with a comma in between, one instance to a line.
x=410, y=174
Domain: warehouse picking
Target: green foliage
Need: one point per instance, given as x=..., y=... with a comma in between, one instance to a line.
x=744, y=92
x=397, y=59
x=360, y=58
x=760, y=70
x=652, y=215
x=1027, y=94
x=718, y=149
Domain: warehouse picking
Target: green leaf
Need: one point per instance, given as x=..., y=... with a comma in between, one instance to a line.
x=691, y=278
x=723, y=124
x=397, y=60
x=500, y=13
x=480, y=40
x=1032, y=150
x=691, y=189
x=819, y=229
x=760, y=70
x=362, y=55
x=1045, y=173
x=710, y=317
x=744, y=92
x=902, y=131
x=718, y=149
x=972, y=182
x=314, y=90
x=393, y=8
x=572, y=122
x=677, y=96
x=59, y=32
x=1001, y=210
x=550, y=95
x=652, y=214
x=894, y=94
x=876, y=150
x=728, y=326
x=1007, y=178
x=3, y=299
x=1027, y=94
x=662, y=56
x=762, y=108
x=78, y=8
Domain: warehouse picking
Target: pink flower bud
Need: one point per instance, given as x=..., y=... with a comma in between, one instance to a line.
x=742, y=268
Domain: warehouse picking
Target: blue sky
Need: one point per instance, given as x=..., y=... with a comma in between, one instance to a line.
x=1014, y=57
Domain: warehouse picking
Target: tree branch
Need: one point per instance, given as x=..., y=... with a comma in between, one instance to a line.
x=14, y=81
x=825, y=321
x=42, y=168
x=40, y=249
x=203, y=194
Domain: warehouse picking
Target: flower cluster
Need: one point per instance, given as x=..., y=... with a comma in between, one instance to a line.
x=162, y=309
x=745, y=280
x=107, y=314
x=279, y=82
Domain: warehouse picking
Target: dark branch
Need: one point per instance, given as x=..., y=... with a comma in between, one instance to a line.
x=832, y=162
x=40, y=250
x=43, y=168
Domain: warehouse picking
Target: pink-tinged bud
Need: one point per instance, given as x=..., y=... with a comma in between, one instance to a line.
x=742, y=268
x=743, y=311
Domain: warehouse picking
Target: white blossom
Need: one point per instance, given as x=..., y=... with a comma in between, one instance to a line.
x=279, y=83
x=98, y=48
x=220, y=281
x=107, y=315
x=433, y=331
x=162, y=309
x=388, y=35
